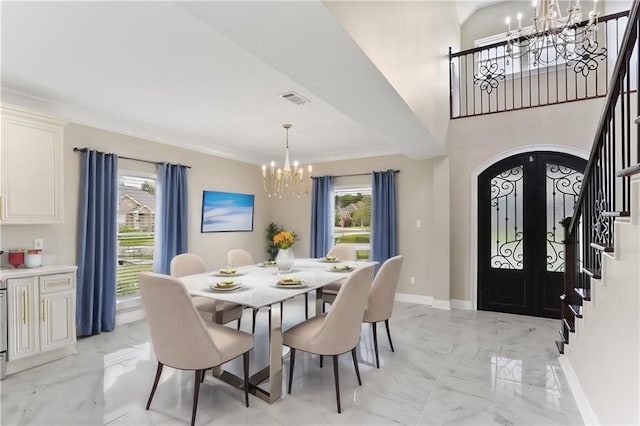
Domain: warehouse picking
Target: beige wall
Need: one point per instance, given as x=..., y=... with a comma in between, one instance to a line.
x=474, y=141
x=207, y=173
x=416, y=197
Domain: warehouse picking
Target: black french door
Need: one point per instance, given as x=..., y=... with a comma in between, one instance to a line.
x=520, y=251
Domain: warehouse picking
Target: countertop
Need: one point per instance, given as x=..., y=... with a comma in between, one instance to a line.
x=30, y=272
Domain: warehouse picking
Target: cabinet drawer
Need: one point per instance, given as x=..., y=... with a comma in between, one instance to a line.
x=58, y=282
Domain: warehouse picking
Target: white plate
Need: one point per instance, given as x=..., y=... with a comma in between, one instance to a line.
x=219, y=274
x=291, y=286
x=324, y=260
x=235, y=287
x=261, y=264
x=344, y=271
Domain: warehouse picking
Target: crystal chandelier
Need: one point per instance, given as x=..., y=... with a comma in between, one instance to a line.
x=562, y=37
x=280, y=181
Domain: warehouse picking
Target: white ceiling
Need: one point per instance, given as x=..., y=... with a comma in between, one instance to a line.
x=206, y=76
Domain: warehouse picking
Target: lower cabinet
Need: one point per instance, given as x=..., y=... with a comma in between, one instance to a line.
x=41, y=316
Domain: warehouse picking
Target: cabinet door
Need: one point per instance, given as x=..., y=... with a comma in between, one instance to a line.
x=23, y=317
x=57, y=320
x=31, y=154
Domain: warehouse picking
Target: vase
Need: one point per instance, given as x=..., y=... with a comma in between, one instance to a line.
x=285, y=259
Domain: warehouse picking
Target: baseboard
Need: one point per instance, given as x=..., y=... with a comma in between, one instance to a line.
x=441, y=304
x=588, y=415
x=127, y=316
x=414, y=298
x=461, y=304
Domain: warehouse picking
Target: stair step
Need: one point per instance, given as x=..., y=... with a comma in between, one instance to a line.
x=560, y=346
x=569, y=326
x=629, y=171
x=593, y=273
x=584, y=293
x=604, y=248
x=577, y=310
x=616, y=214
x=562, y=337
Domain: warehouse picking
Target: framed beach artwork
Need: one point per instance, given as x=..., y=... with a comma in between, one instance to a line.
x=227, y=212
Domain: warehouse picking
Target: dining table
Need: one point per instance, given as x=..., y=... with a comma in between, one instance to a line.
x=257, y=286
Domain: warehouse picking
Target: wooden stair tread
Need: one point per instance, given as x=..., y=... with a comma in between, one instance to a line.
x=577, y=310
x=604, y=248
x=584, y=293
x=629, y=171
x=569, y=326
x=616, y=214
x=593, y=273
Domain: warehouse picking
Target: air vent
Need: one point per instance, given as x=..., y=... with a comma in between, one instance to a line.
x=294, y=98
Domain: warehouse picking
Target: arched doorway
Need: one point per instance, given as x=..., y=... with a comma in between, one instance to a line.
x=521, y=199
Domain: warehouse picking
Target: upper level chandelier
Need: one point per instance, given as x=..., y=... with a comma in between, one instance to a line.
x=286, y=180
x=553, y=37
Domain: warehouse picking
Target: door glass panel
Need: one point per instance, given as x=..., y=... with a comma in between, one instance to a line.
x=506, y=219
x=563, y=186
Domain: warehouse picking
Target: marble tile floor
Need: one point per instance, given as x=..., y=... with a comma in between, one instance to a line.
x=450, y=367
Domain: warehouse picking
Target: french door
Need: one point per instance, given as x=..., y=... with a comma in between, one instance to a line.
x=522, y=199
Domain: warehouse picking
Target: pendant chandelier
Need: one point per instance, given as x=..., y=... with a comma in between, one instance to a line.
x=553, y=37
x=286, y=180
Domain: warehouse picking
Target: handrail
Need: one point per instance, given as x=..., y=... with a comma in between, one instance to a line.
x=617, y=77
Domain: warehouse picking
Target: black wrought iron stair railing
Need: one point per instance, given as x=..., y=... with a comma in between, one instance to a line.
x=606, y=189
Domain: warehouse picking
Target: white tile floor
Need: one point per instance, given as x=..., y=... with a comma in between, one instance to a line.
x=450, y=367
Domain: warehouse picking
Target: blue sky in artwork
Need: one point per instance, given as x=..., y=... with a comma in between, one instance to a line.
x=227, y=211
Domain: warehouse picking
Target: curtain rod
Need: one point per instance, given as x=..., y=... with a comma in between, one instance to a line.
x=130, y=158
x=362, y=174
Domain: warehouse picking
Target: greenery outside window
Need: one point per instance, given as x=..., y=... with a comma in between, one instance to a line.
x=352, y=219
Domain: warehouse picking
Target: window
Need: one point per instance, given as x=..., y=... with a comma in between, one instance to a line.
x=353, y=219
x=136, y=223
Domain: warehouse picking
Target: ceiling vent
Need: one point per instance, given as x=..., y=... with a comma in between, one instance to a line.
x=294, y=98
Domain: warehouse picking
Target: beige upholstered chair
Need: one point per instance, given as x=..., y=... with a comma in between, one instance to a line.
x=380, y=303
x=180, y=337
x=336, y=332
x=235, y=259
x=342, y=252
x=189, y=264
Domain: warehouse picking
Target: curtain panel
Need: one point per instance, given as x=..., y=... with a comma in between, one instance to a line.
x=384, y=233
x=171, y=215
x=322, y=207
x=97, y=243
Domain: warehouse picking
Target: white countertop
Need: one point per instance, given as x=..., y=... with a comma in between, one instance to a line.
x=30, y=272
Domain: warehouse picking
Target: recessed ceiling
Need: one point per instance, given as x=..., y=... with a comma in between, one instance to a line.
x=206, y=76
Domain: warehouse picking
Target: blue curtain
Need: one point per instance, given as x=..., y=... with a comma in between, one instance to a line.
x=322, y=206
x=384, y=236
x=171, y=215
x=97, y=243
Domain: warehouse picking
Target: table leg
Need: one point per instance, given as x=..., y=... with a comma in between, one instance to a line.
x=319, y=301
x=217, y=318
x=275, y=353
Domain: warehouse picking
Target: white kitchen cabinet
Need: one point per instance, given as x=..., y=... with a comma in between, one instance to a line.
x=31, y=167
x=41, y=315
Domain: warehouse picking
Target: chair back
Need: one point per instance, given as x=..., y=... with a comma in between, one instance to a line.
x=340, y=331
x=187, y=264
x=238, y=257
x=179, y=336
x=383, y=290
x=344, y=252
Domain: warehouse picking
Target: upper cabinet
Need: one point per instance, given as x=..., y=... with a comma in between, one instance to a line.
x=31, y=167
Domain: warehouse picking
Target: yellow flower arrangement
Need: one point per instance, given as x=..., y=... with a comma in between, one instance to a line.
x=284, y=239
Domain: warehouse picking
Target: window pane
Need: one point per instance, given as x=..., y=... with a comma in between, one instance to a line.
x=353, y=219
x=136, y=221
x=506, y=219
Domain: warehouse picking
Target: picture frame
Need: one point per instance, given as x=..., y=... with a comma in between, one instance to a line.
x=227, y=212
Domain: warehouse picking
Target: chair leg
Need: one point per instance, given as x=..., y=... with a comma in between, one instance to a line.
x=320, y=361
x=155, y=383
x=253, y=324
x=196, y=391
x=337, y=377
x=204, y=373
x=245, y=359
x=355, y=364
x=375, y=342
x=239, y=320
x=306, y=306
x=386, y=322
x=292, y=361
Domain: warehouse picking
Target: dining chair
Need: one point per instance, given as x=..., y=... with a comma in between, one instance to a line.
x=342, y=252
x=235, y=259
x=190, y=264
x=381, y=297
x=337, y=331
x=182, y=339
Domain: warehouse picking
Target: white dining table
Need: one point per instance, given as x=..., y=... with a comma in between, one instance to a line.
x=257, y=290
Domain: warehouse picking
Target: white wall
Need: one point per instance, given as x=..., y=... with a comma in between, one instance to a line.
x=207, y=173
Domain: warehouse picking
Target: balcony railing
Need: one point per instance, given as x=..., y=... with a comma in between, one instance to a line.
x=486, y=79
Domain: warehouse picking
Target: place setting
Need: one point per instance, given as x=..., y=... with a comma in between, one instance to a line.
x=329, y=259
x=228, y=272
x=290, y=283
x=341, y=268
x=224, y=286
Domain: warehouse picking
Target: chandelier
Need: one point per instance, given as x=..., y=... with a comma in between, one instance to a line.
x=286, y=180
x=553, y=37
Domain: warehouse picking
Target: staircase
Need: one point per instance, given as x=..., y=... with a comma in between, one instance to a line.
x=600, y=328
